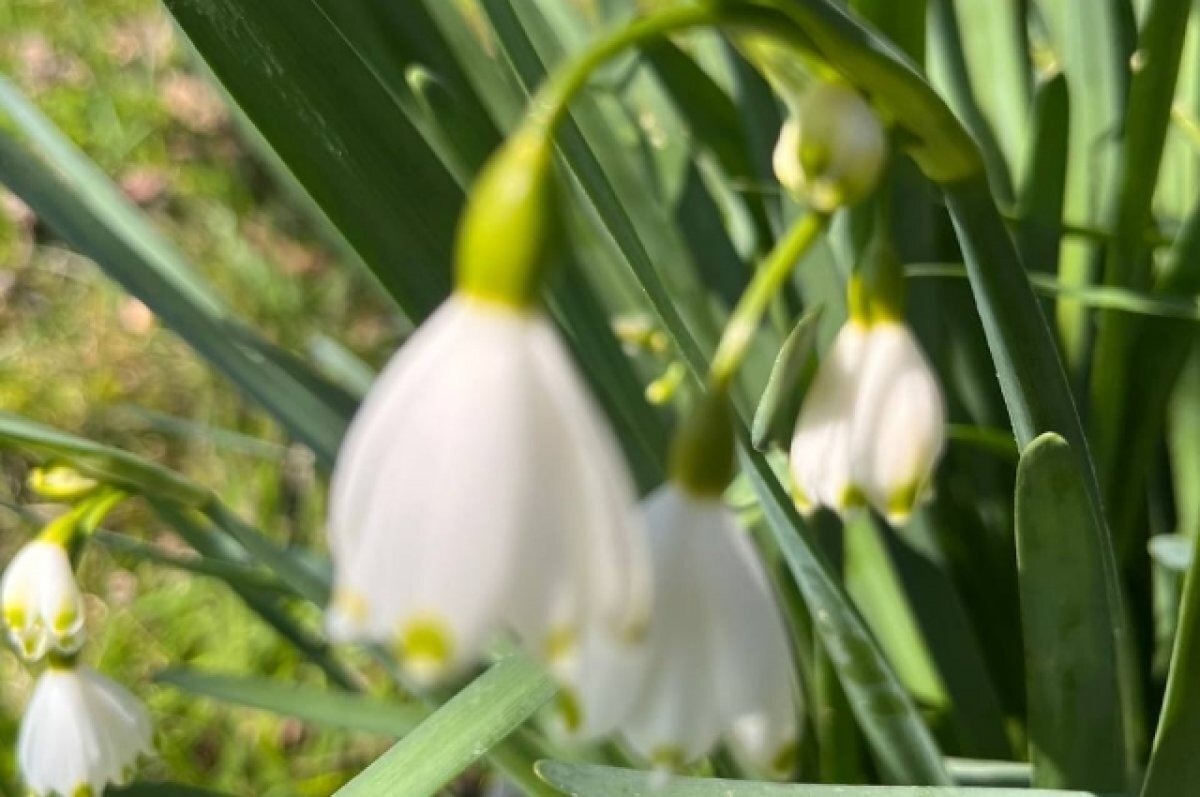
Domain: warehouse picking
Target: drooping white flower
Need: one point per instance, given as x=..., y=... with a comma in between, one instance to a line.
x=872, y=426
x=41, y=603
x=715, y=662
x=479, y=489
x=81, y=732
x=831, y=151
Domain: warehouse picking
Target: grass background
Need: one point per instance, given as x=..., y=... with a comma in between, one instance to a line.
x=78, y=353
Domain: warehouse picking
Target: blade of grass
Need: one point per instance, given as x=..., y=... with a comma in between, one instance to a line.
x=459, y=733
x=321, y=707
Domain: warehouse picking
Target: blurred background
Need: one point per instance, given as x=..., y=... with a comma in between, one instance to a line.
x=78, y=353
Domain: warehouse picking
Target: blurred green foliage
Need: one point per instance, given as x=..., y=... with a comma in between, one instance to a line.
x=78, y=353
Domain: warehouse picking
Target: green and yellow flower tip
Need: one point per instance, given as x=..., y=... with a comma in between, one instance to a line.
x=503, y=237
x=876, y=291
x=61, y=483
x=426, y=648
x=702, y=453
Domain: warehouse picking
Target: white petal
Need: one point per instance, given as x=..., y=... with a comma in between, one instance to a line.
x=445, y=489
x=899, y=426
x=598, y=685
x=80, y=729
x=42, y=604
x=483, y=492
x=675, y=719
x=596, y=501
x=820, y=457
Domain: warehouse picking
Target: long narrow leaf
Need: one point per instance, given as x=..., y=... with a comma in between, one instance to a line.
x=459, y=733
x=584, y=780
x=1075, y=735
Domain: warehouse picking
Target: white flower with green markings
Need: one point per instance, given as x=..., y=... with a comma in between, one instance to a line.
x=716, y=662
x=41, y=602
x=872, y=426
x=831, y=150
x=480, y=489
x=81, y=732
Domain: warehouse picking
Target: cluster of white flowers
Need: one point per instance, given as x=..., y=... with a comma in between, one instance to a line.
x=480, y=493
x=81, y=731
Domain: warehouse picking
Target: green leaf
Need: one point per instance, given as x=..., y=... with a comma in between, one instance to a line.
x=1043, y=192
x=198, y=532
x=322, y=707
x=949, y=61
x=1129, y=264
x=587, y=780
x=794, y=368
x=111, y=465
x=459, y=733
x=1174, y=766
x=902, y=745
x=1075, y=725
x=84, y=207
x=233, y=573
x=310, y=89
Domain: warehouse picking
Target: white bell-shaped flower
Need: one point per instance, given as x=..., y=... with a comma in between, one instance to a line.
x=831, y=151
x=716, y=660
x=479, y=488
x=80, y=733
x=872, y=427
x=41, y=602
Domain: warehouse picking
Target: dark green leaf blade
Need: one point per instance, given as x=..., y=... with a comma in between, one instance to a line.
x=1075, y=737
x=589, y=780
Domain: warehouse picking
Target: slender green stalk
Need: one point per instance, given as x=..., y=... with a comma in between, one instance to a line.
x=758, y=295
x=549, y=105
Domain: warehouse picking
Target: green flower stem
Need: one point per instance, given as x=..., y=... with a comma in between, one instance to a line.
x=762, y=289
x=549, y=105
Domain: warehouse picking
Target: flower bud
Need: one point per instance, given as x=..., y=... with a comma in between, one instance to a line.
x=702, y=453
x=61, y=483
x=505, y=230
x=831, y=152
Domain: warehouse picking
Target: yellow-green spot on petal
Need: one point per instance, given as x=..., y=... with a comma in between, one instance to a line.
x=784, y=761
x=569, y=710
x=83, y=791
x=560, y=643
x=15, y=616
x=852, y=498
x=901, y=502
x=65, y=620
x=426, y=646
x=668, y=757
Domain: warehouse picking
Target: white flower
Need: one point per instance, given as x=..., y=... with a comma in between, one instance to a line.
x=831, y=151
x=479, y=489
x=872, y=427
x=716, y=661
x=80, y=733
x=41, y=602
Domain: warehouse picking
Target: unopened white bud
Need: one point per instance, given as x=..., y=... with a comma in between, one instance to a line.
x=831, y=152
